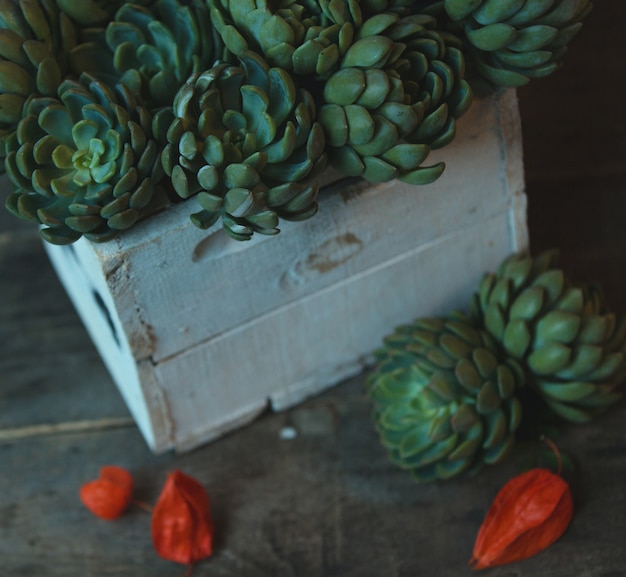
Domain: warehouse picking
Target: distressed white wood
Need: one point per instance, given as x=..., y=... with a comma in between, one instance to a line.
x=201, y=333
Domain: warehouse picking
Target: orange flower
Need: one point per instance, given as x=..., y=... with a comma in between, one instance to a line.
x=529, y=513
x=182, y=528
x=108, y=496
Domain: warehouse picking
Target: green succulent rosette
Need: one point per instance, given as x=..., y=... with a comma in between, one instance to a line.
x=84, y=164
x=151, y=49
x=35, y=39
x=571, y=345
x=243, y=142
x=307, y=37
x=512, y=41
x=398, y=94
x=444, y=398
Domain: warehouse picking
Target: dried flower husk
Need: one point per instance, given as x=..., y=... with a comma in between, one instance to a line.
x=35, y=39
x=529, y=514
x=564, y=334
x=86, y=163
x=398, y=94
x=512, y=41
x=444, y=398
x=244, y=141
x=110, y=495
x=151, y=49
x=182, y=527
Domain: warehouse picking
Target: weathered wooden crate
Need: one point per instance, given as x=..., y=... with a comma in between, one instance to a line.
x=201, y=333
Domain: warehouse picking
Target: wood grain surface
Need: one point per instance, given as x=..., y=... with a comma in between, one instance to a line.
x=326, y=503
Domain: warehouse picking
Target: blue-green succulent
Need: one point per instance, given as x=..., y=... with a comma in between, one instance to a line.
x=246, y=143
x=572, y=346
x=35, y=39
x=397, y=95
x=87, y=13
x=85, y=163
x=307, y=37
x=512, y=41
x=151, y=49
x=445, y=398
x=400, y=7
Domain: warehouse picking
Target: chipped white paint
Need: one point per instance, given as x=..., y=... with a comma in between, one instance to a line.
x=202, y=333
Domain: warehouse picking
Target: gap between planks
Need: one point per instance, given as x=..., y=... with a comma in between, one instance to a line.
x=71, y=427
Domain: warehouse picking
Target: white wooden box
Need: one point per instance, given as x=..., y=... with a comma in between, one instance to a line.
x=201, y=333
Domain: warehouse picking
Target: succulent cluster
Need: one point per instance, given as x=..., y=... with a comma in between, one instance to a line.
x=512, y=41
x=242, y=103
x=445, y=390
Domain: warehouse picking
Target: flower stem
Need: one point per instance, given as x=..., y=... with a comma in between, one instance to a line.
x=555, y=450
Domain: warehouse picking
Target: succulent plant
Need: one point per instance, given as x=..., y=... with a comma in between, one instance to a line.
x=84, y=164
x=512, y=41
x=307, y=37
x=89, y=12
x=397, y=95
x=444, y=398
x=151, y=49
x=35, y=39
x=573, y=348
x=401, y=7
x=244, y=140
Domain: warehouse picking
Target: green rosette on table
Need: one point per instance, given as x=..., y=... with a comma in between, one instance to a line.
x=35, y=39
x=306, y=37
x=244, y=141
x=84, y=164
x=398, y=94
x=512, y=41
x=444, y=398
x=151, y=49
x=572, y=347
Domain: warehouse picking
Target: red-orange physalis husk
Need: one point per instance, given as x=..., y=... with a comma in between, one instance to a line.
x=529, y=513
x=182, y=528
x=108, y=496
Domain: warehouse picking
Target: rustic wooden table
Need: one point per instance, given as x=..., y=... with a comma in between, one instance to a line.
x=326, y=503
